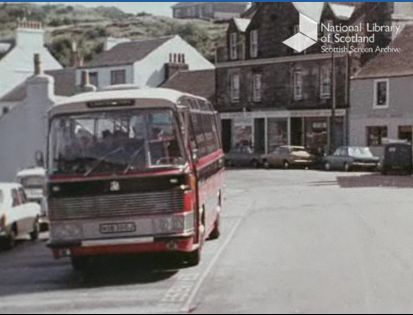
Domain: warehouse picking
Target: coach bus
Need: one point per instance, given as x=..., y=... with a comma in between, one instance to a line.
x=133, y=171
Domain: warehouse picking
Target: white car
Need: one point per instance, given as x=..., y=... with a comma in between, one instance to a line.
x=18, y=217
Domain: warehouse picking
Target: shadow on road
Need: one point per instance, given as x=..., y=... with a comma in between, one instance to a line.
x=125, y=270
x=369, y=181
x=30, y=268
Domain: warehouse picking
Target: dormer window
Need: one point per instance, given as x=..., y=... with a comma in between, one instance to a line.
x=254, y=43
x=233, y=46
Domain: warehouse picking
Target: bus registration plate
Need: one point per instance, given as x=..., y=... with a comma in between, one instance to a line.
x=115, y=228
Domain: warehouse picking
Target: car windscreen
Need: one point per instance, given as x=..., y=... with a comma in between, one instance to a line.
x=114, y=142
x=32, y=181
x=360, y=152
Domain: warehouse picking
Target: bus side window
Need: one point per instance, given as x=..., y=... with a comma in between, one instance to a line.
x=199, y=133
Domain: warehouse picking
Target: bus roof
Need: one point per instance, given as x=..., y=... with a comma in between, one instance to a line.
x=162, y=94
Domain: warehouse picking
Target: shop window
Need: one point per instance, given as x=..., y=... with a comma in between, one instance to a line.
x=376, y=135
x=316, y=133
x=277, y=133
x=405, y=133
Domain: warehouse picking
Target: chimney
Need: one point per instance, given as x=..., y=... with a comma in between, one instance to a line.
x=76, y=58
x=29, y=34
x=85, y=85
x=38, y=69
x=176, y=63
x=40, y=86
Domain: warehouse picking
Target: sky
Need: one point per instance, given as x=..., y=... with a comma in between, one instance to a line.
x=157, y=8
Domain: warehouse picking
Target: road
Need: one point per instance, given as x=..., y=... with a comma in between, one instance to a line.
x=293, y=242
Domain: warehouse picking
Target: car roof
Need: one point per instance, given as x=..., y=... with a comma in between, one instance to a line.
x=36, y=171
x=293, y=147
x=8, y=186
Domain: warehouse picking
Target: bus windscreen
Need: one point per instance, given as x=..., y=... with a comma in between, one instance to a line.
x=114, y=142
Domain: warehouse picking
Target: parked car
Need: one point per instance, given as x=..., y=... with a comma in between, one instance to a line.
x=397, y=159
x=287, y=157
x=243, y=156
x=350, y=158
x=18, y=217
x=33, y=181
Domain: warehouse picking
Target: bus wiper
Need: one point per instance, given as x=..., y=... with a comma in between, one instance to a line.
x=101, y=159
x=134, y=157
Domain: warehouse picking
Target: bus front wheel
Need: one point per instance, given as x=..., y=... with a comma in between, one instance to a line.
x=80, y=263
x=193, y=259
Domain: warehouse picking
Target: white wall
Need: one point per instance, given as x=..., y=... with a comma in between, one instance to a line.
x=23, y=130
x=363, y=114
x=150, y=72
x=104, y=75
x=18, y=64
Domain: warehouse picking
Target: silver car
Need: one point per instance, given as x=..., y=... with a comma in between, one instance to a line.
x=287, y=157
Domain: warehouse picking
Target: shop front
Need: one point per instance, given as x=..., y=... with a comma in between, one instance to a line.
x=265, y=131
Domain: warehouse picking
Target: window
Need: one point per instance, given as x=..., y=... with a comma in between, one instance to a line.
x=298, y=85
x=405, y=133
x=22, y=196
x=94, y=78
x=15, y=198
x=381, y=93
x=235, y=86
x=118, y=77
x=256, y=87
x=233, y=46
x=376, y=135
x=325, y=82
x=254, y=44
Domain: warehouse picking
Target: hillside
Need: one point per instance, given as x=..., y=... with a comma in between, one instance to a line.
x=88, y=27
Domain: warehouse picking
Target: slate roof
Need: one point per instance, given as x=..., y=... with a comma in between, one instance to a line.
x=127, y=53
x=199, y=82
x=392, y=64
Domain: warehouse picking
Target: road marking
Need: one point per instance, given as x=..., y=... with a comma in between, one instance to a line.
x=194, y=292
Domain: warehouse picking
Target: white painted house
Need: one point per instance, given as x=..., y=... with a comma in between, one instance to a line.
x=146, y=63
x=16, y=57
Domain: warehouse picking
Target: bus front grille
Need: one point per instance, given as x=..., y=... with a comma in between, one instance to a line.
x=106, y=206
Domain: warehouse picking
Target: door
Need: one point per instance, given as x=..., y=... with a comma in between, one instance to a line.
x=226, y=134
x=297, y=132
x=259, y=135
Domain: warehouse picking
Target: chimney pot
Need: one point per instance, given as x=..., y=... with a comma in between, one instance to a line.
x=37, y=65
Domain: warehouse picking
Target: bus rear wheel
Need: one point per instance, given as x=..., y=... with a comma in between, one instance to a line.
x=216, y=232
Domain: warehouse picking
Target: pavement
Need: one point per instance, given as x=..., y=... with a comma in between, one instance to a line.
x=294, y=241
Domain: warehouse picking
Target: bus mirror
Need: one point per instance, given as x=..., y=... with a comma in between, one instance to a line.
x=195, y=155
x=39, y=158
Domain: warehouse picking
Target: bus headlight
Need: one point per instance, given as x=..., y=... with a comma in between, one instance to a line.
x=69, y=231
x=173, y=224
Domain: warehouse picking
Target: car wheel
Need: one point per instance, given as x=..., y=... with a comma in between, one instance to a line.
x=34, y=235
x=327, y=166
x=266, y=164
x=286, y=165
x=254, y=164
x=347, y=167
x=10, y=239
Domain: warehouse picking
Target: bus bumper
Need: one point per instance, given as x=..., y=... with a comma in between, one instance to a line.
x=124, y=246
